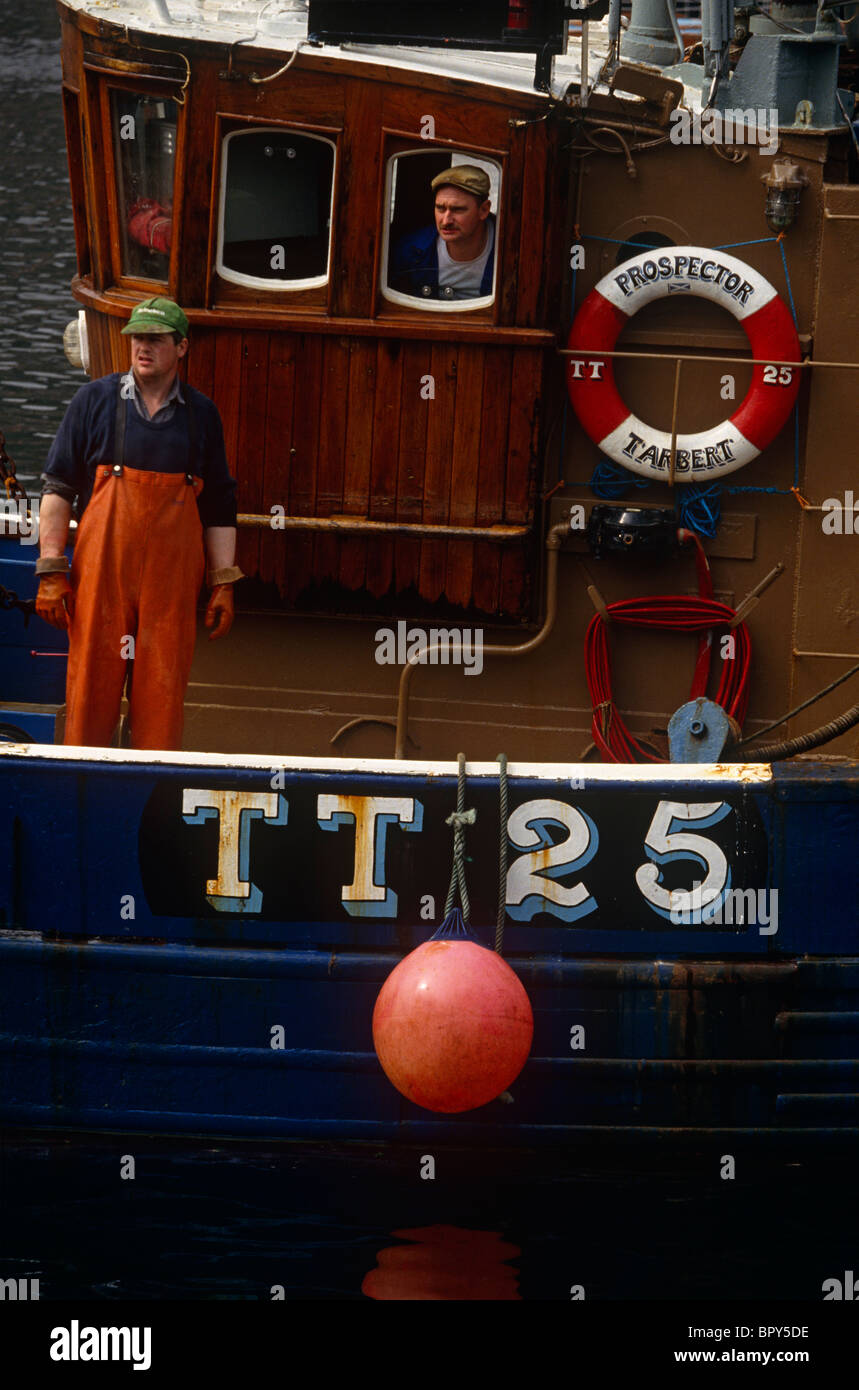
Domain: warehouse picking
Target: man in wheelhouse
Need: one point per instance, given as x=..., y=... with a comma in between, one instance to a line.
x=453, y=259
x=144, y=457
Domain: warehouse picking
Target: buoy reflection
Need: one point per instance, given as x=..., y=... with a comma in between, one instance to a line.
x=445, y=1262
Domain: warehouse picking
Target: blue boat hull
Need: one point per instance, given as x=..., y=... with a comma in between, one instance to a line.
x=251, y=1015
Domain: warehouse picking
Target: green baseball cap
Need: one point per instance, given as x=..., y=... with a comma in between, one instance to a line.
x=157, y=316
x=468, y=176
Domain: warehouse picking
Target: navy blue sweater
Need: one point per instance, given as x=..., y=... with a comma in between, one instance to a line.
x=85, y=440
x=414, y=268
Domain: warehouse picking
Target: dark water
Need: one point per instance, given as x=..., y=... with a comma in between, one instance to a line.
x=36, y=235
x=208, y=1220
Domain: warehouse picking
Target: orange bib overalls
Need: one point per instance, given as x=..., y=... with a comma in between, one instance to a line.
x=136, y=573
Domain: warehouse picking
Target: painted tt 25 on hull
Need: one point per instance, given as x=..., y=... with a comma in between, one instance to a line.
x=204, y=949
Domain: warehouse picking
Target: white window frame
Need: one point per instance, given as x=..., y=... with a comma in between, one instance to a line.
x=237, y=277
x=432, y=305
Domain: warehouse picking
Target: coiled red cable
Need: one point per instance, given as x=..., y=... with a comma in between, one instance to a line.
x=672, y=612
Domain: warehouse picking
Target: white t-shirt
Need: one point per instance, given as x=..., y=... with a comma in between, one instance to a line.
x=464, y=277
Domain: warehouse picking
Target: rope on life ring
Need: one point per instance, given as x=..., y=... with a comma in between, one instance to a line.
x=656, y=274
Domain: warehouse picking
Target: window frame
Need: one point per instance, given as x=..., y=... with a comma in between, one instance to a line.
x=109, y=81
x=486, y=305
x=254, y=283
x=76, y=145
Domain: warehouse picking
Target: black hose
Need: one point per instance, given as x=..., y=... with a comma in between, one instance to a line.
x=775, y=752
x=833, y=685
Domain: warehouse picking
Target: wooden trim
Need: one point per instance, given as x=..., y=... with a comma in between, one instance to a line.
x=247, y=318
x=221, y=292
x=345, y=525
x=242, y=121
x=226, y=294
x=95, y=178
x=380, y=240
x=75, y=143
x=490, y=150
x=214, y=211
x=108, y=173
x=106, y=83
x=386, y=309
x=182, y=119
x=105, y=66
x=138, y=284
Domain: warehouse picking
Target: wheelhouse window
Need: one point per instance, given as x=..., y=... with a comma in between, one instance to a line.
x=441, y=235
x=277, y=189
x=144, y=142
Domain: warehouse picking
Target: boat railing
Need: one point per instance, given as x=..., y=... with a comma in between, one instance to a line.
x=357, y=525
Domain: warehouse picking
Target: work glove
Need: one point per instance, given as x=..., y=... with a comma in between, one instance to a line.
x=55, y=601
x=220, y=611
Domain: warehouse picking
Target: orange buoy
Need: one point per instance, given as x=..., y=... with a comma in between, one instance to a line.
x=452, y=1026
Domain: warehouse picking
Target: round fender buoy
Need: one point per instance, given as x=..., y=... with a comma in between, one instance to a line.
x=452, y=1026
x=675, y=271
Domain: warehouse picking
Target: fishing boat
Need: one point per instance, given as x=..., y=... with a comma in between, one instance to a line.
x=588, y=524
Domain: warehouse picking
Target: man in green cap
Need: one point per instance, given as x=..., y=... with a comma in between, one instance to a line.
x=144, y=458
x=455, y=258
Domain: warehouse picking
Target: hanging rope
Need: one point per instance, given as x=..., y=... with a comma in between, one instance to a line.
x=611, y=480
x=459, y=820
x=502, y=852
x=699, y=506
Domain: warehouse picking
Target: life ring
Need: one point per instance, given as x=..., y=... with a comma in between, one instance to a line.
x=655, y=274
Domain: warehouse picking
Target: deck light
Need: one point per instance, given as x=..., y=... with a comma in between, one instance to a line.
x=784, y=183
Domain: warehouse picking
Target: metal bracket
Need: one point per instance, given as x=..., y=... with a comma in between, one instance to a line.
x=701, y=732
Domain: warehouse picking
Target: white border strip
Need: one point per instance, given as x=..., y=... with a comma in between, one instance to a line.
x=237, y=277
x=549, y=772
x=417, y=301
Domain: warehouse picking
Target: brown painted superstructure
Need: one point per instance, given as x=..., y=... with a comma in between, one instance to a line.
x=320, y=394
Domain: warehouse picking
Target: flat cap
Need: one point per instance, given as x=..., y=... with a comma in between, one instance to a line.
x=467, y=176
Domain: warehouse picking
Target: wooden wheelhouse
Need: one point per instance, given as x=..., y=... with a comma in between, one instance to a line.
x=344, y=402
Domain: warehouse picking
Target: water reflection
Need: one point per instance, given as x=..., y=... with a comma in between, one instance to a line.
x=445, y=1262
x=234, y=1220
x=37, y=231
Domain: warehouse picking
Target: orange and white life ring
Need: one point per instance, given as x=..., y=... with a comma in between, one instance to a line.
x=744, y=293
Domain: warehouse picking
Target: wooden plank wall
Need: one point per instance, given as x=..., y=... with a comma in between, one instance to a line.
x=325, y=425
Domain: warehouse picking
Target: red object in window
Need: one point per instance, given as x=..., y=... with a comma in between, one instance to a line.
x=519, y=14
x=151, y=225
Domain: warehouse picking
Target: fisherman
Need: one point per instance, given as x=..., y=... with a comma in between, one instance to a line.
x=145, y=459
x=454, y=259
